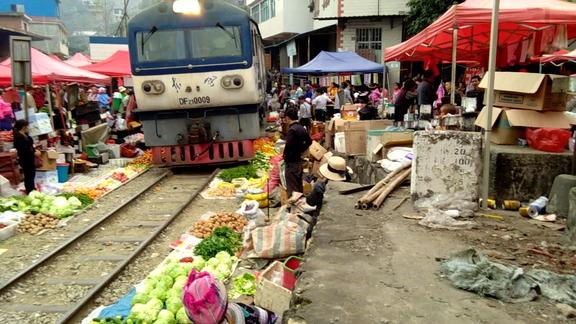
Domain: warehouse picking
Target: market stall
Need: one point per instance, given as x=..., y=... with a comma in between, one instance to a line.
x=117, y=65
x=223, y=247
x=46, y=69
x=78, y=60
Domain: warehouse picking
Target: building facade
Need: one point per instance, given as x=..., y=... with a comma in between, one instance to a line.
x=42, y=17
x=366, y=27
x=289, y=30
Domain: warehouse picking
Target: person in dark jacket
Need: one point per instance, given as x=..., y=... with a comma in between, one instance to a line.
x=24, y=144
x=297, y=142
x=406, y=98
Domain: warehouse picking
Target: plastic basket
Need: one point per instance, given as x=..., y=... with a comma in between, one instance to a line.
x=9, y=230
x=291, y=266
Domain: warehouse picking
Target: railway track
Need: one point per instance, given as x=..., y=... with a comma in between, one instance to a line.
x=65, y=280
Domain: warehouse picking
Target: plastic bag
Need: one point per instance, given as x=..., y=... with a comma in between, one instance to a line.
x=548, y=139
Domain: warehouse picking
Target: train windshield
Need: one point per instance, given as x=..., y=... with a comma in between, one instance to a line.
x=189, y=44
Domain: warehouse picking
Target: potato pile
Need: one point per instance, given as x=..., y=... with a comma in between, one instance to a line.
x=204, y=228
x=33, y=224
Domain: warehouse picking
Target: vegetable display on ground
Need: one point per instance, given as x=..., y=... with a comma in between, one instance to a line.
x=243, y=171
x=204, y=228
x=221, y=239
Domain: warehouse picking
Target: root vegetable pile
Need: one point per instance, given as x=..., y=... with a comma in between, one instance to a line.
x=33, y=224
x=204, y=228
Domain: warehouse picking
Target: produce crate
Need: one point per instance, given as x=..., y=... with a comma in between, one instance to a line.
x=7, y=232
x=271, y=293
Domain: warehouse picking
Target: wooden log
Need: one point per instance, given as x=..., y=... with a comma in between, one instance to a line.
x=391, y=187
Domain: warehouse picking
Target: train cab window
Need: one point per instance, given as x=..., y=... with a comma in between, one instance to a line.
x=163, y=45
x=196, y=43
x=210, y=42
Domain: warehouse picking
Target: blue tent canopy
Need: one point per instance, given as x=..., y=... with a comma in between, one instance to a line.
x=337, y=62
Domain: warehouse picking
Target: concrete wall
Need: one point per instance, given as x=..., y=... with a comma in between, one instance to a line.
x=364, y=8
x=391, y=32
x=292, y=17
x=46, y=8
x=58, y=42
x=101, y=47
x=15, y=21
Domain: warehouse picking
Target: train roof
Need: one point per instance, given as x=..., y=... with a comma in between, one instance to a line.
x=162, y=15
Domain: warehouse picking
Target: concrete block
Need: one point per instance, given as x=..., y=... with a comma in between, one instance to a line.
x=571, y=221
x=559, y=195
x=524, y=174
x=446, y=162
x=365, y=172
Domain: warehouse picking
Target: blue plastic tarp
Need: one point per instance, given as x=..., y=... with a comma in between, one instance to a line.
x=337, y=62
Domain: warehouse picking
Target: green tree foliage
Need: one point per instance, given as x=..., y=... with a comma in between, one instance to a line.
x=423, y=12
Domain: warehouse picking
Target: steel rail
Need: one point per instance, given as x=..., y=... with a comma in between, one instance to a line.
x=88, y=297
x=18, y=276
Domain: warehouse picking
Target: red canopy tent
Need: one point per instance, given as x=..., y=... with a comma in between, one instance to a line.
x=78, y=60
x=117, y=65
x=527, y=27
x=46, y=69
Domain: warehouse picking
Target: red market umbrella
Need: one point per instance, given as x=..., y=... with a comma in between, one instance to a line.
x=78, y=60
x=527, y=28
x=46, y=69
x=117, y=65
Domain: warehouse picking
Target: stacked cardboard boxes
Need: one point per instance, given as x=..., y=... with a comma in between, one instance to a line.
x=525, y=100
x=9, y=167
x=349, y=137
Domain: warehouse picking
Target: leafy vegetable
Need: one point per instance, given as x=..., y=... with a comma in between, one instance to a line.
x=260, y=161
x=165, y=317
x=222, y=239
x=220, y=266
x=243, y=171
x=243, y=285
x=182, y=317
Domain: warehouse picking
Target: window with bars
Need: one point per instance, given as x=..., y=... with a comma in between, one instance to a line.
x=369, y=38
x=255, y=13
x=263, y=10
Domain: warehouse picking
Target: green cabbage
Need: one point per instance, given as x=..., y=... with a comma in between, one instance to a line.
x=159, y=293
x=165, y=282
x=143, y=313
x=155, y=304
x=165, y=317
x=198, y=263
x=140, y=298
x=74, y=202
x=173, y=304
x=182, y=317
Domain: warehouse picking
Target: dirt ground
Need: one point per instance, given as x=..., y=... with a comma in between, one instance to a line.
x=379, y=267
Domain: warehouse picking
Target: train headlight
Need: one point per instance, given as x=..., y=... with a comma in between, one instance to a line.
x=153, y=87
x=232, y=82
x=190, y=7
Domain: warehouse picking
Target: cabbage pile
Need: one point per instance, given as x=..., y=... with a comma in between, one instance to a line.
x=158, y=299
x=37, y=202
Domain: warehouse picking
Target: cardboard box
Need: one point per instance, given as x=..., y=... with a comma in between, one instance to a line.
x=355, y=142
x=529, y=91
x=392, y=139
x=49, y=159
x=317, y=151
x=508, y=125
x=349, y=112
x=340, y=125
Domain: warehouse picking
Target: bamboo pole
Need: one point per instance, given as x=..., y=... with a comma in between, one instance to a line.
x=391, y=187
x=371, y=195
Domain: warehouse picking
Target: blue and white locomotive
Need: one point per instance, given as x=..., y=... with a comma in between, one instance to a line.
x=199, y=79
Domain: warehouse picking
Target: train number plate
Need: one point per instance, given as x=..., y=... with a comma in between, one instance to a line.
x=194, y=100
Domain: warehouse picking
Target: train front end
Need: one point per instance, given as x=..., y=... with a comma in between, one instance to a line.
x=199, y=82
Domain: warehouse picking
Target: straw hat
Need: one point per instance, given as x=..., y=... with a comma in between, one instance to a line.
x=121, y=89
x=335, y=169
